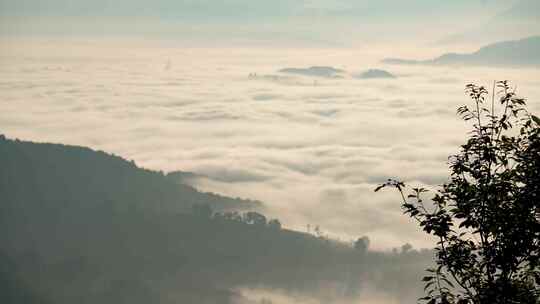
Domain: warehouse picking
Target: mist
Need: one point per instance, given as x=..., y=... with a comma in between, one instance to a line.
x=287, y=109
x=308, y=147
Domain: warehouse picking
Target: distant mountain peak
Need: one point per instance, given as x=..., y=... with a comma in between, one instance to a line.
x=315, y=71
x=522, y=52
x=375, y=73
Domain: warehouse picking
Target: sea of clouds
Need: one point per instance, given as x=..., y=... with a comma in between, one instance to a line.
x=313, y=149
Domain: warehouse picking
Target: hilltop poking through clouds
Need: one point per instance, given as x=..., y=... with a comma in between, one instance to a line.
x=524, y=52
x=375, y=74
x=315, y=71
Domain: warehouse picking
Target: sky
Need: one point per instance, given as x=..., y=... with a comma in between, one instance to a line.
x=165, y=83
x=315, y=23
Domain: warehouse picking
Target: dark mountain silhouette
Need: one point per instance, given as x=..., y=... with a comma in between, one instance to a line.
x=315, y=71
x=12, y=289
x=59, y=173
x=374, y=74
x=81, y=226
x=524, y=52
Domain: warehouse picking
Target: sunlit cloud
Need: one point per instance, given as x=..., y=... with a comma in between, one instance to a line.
x=313, y=152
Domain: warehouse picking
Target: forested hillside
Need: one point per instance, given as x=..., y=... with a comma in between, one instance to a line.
x=80, y=226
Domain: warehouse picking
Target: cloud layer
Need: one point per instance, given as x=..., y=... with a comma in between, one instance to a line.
x=313, y=150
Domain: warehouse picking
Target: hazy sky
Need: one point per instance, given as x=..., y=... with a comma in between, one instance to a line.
x=327, y=23
x=237, y=9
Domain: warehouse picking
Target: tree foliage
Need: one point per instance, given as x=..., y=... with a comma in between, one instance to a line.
x=486, y=218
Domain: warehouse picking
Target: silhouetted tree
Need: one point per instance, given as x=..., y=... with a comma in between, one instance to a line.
x=232, y=216
x=318, y=231
x=255, y=218
x=487, y=216
x=406, y=248
x=362, y=244
x=274, y=224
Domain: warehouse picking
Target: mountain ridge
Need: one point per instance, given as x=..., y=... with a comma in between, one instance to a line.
x=522, y=52
x=174, y=196
x=83, y=226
